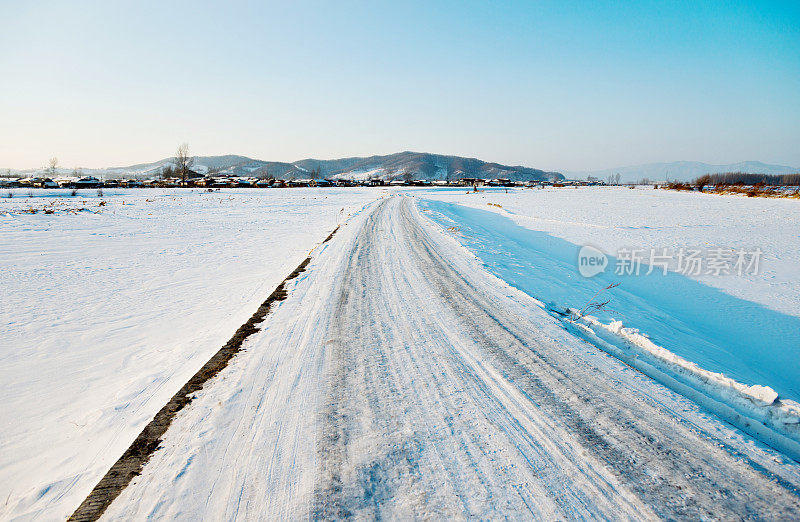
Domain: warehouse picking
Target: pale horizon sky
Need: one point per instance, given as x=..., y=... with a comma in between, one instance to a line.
x=556, y=85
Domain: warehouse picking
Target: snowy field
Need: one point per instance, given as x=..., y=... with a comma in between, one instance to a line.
x=401, y=380
x=345, y=401
x=107, y=310
x=612, y=218
x=727, y=341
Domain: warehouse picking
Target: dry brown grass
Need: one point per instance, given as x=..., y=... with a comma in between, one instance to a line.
x=759, y=190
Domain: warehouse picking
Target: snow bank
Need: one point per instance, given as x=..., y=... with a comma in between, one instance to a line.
x=758, y=394
x=699, y=341
x=740, y=404
x=742, y=339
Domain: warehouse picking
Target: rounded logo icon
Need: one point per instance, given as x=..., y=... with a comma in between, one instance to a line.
x=591, y=261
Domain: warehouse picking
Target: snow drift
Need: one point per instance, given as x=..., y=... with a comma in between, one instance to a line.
x=737, y=403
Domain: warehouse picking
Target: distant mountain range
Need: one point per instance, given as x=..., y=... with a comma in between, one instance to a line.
x=416, y=165
x=682, y=170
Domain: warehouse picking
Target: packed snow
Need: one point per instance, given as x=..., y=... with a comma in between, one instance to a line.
x=400, y=379
x=110, y=304
x=728, y=353
x=419, y=308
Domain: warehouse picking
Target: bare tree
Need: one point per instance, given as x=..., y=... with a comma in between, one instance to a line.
x=702, y=181
x=183, y=162
x=52, y=165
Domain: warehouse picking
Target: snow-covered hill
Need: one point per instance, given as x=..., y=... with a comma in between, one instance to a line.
x=417, y=165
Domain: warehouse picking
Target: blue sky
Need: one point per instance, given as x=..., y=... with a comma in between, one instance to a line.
x=556, y=85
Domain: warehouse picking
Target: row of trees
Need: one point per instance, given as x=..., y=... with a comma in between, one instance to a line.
x=742, y=178
x=616, y=179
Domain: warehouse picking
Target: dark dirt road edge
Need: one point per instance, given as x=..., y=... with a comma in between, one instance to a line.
x=131, y=462
x=331, y=234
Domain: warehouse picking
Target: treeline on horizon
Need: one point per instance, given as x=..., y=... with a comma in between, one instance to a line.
x=743, y=178
x=750, y=185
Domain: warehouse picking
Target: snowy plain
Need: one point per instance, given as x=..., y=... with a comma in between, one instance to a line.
x=612, y=218
x=402, y=380
x=107, y=310
x=109, y=304
x=713, y=338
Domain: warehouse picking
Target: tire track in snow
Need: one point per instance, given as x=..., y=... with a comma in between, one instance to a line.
x=401, y=380
x=432, y=378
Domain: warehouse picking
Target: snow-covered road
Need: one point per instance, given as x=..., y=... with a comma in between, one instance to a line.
x=400, y=378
